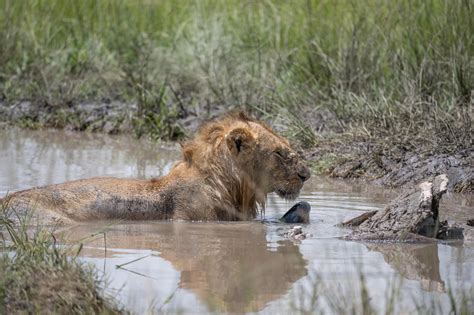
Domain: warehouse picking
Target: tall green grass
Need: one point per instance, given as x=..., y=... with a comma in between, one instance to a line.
x=373, y=65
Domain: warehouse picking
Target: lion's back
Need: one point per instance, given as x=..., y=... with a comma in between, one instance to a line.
x=74, y=200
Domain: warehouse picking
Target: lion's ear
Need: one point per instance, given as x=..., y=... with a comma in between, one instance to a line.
x=240, y=140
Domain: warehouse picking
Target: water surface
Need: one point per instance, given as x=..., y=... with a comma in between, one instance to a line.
x=203, y=267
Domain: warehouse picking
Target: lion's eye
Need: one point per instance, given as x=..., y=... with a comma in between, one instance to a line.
x=279, y=154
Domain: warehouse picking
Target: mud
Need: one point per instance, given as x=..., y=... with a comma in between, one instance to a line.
x=411, y=168
x=110, y=117
x=393, y=164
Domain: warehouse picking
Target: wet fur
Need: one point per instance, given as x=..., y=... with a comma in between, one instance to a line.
x=225, y=174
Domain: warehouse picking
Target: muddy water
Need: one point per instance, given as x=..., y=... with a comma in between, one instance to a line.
x=235, y=267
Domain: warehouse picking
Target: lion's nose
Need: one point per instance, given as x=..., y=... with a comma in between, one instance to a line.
x=304, y=173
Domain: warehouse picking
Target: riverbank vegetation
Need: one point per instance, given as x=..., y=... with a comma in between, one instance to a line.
x=358, y=82
x=38, y=275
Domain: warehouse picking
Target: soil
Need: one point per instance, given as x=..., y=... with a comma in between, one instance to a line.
x=398, y=166
x=109, y=117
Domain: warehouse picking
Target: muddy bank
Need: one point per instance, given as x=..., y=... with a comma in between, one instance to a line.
x=110, y=117
x=411, y=168
x=396, y=166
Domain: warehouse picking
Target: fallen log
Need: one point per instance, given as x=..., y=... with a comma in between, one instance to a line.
x=412, y=216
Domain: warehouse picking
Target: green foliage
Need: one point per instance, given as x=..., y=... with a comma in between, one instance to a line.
x=373, y=64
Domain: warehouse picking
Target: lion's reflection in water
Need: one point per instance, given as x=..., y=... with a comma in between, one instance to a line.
x=230, y=267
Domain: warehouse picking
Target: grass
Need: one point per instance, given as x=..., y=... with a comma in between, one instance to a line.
x=376, y=67
x=37, y=275
x=353, y=296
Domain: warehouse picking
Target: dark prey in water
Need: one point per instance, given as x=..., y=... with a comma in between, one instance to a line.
x=299, y=213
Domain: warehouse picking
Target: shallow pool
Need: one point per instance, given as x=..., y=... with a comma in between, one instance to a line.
x=201, y=267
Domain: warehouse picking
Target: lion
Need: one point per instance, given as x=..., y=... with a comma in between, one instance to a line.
x=225, y=173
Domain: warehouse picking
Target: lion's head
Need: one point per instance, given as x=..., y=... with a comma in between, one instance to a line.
x=244, y=160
